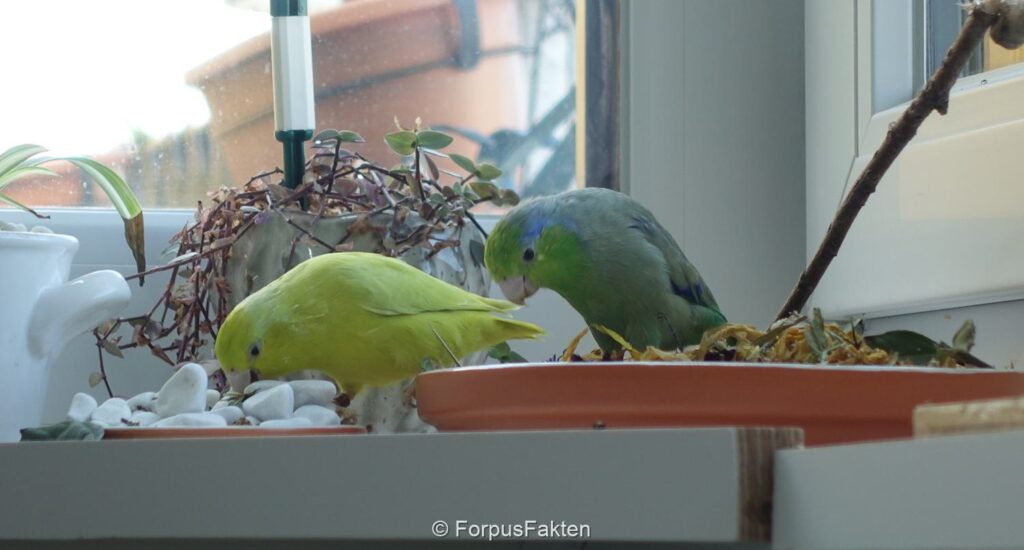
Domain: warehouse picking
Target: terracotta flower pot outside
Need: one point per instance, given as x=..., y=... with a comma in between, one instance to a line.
x=374, y=60
x=832, y=404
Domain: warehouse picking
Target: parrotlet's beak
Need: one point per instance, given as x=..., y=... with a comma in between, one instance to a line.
x=517, y=289
x=238, y=380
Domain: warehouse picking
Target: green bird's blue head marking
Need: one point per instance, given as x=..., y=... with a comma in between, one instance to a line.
x=536, y=245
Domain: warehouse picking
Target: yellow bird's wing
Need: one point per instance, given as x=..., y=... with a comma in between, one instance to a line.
x=390, y=287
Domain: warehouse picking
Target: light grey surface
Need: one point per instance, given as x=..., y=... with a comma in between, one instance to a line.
x=635, y=485
x=716, y=127
x=945, y=492
x=164, y=544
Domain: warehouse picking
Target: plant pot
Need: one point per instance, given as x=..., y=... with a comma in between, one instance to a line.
x=41, y=312
x=264, y=253
x=374, y=60
x=832, y=404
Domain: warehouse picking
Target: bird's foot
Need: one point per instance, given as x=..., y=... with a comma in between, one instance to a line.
x=349, y=417
x=409, y=397
x=342, y=400
x=614, y=355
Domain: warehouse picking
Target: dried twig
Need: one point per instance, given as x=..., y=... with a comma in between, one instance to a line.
x=189, y=309
x=933, y=97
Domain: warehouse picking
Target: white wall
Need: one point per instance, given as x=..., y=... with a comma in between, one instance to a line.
x=716, y=122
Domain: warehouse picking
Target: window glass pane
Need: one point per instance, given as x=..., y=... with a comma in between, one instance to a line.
x=909, y=40
x=944, y=19
x=176, y=95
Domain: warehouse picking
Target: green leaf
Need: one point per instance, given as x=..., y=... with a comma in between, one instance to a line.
x=484, y=189
x=134, y=235
x=343, y=136
x=508, y=197
x=10, y=200
x=326, y=135
x=504, y=354
x=487, y=172
x=403, y=143
x=124, y=201
x=16, y=155
x=64, y=431
x=117, y=190
x=346, y=136
x=94, y=379
x=464, y=162
x=433, y=140
x=499, y=351
x=964, y=338
x=111, y=347
x=24, y=171
x=816, y=336
x=907, y=345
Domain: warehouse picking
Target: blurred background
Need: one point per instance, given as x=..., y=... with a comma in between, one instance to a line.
x=180, y=102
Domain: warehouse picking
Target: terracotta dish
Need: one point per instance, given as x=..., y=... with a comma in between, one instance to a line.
x=832, y=404
x=238, y=431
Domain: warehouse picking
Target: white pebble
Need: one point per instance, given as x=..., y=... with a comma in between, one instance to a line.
x=145, y=401
x=313, y=392
x=221, y=404
x=261, y=385
x=11, y=226
x=144, y=418
x=112, y=412
x=41, y=229
x=252, y=421
x=317, y=415
x=184, y=392
x=82, y=405
x=212, y=397
x=298, y=422
x=276, y=403
x=230, y=413
x=192, y=420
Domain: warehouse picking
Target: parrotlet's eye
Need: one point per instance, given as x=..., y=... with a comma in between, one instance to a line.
x=254, y=351
x=528, y=254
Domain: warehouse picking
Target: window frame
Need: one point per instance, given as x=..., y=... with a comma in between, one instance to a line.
x=978, y=110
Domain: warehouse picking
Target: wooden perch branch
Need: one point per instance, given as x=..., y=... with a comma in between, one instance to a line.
x=934, y=96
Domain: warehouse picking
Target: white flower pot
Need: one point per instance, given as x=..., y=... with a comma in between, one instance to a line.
x=40, y=311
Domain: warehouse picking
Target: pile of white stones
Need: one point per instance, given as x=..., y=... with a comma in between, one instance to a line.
x=185, y=402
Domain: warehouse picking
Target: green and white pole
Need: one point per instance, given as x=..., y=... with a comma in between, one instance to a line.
x=291, y=56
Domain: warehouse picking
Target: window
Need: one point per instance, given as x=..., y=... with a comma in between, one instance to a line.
x=176, y=95
x=944, y=227
x=910, y=39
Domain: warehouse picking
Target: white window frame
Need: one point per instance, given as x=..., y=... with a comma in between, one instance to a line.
x=908, y=251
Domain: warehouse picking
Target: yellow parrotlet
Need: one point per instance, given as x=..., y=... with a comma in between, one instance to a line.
x=364, y=319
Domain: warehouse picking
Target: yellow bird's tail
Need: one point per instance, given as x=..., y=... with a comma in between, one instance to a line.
x=514, y=329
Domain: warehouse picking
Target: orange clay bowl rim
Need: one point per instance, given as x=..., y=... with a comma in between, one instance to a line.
x=535, y=395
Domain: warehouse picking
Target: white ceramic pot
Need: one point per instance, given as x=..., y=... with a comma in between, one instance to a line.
x=40, y=311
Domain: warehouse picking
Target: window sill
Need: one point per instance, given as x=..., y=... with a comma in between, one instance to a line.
x=389, y=487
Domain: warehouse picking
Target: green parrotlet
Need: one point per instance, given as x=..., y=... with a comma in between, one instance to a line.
x=608, y=256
